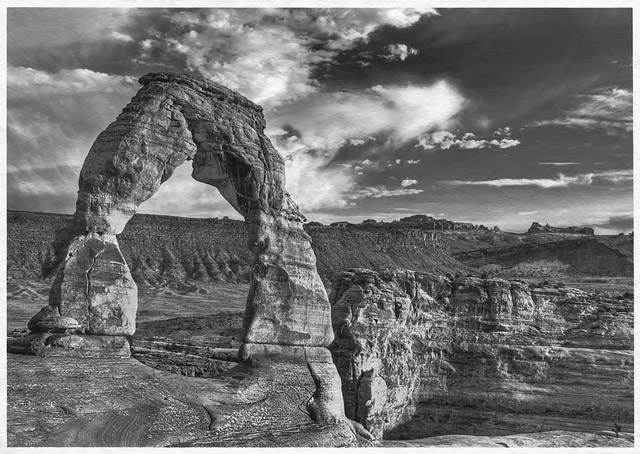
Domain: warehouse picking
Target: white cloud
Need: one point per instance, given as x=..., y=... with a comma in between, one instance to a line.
x=561, y=180
x=268, y=54
x=615, y=175
x=121, y=36
x=611, y=110
x=311, y=186
x=407, y=182
x=413, y=161
x=404, y=17
x=445, y=140
x=327, y=121
x=399, y=52
x=356, y=142
x=505, y=143
x=558, y=164
x=381, y=191
x=33, y=83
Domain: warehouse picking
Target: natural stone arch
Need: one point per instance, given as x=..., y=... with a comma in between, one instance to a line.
x=175, y=118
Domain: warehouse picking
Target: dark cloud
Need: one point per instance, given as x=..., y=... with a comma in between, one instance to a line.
x=515, y=65
x=120, y=49
x=623, y=223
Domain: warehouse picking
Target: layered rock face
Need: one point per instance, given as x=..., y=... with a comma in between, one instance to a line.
x=175, y=118
x=169, y=250
x=422, y=355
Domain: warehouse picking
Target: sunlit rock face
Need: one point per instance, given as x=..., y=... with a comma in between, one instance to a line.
x=95, y=287
x=422, y=355
x=174, y=118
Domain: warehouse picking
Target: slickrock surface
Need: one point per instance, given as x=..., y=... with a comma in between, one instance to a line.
x=553, y=439
x=121, y=402
x=421, y=355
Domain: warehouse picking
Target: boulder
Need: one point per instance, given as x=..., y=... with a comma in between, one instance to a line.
x=57, y=325
x=44, y=313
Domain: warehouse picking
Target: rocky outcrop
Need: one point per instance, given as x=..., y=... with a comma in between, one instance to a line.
x=174, y=118
x=422, y=355
x=536, y=227
x=418, y=222
x=425, y=222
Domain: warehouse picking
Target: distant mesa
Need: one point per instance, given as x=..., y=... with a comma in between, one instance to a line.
x=418, y=221
x=536, y=227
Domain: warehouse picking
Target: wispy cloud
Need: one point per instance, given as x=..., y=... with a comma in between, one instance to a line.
x=381, y=191
x=309, y=134
x=32, y=83
x=561, y=180
x=610, y=110
x=558, y=164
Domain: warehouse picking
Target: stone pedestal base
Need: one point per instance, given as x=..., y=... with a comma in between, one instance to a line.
x=70, y=345
x=326, y=404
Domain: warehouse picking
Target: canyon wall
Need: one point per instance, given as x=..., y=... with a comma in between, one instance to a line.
x=586, y=255
x=423, y=355
x=167, y=250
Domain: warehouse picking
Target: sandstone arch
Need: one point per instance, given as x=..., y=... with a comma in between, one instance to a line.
x=174, y=118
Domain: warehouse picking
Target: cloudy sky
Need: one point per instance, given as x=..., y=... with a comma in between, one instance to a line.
x=491, y=116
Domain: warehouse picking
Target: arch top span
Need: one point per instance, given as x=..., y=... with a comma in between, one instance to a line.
x=174, y=118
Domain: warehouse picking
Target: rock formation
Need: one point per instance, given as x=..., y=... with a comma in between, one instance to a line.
x=536, y=227
x=422, y=355
x=175, y=118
